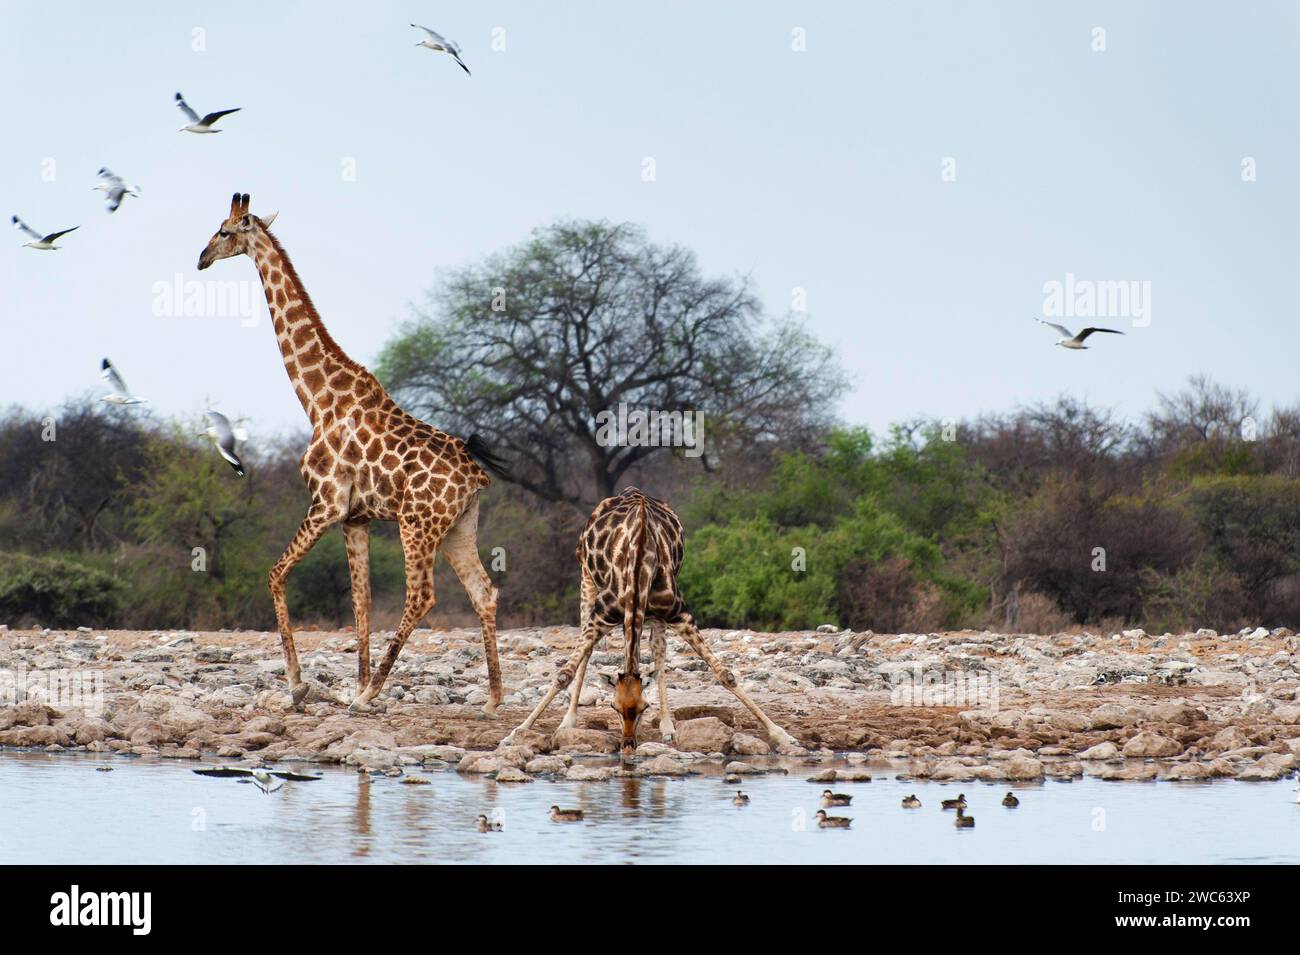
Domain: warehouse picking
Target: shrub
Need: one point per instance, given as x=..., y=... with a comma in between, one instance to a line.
x=56, y=592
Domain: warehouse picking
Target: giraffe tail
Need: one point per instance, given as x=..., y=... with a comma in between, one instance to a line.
x=484, y=455
x=637, y=597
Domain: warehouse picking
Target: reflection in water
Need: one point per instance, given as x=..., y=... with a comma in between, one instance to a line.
x=55, y=809
x=361, y=817
x=631, y=794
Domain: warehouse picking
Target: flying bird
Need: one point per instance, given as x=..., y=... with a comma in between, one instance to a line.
x=114, y=189
x=224, y=437
x=121, y=394
x=203, y=125
x=263, y=781
x=440, y=44
x=227, y=772
x=44, y=242
x=1073, y=341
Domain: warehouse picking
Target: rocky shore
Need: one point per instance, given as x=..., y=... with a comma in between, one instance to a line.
x=948, y=706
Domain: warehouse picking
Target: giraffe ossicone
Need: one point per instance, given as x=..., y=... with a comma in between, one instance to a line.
x=367, y=460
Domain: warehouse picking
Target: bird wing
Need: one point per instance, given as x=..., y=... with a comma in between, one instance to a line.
x=435, y=36
x=231, y=457
x=213, y=117
x=224, y=771
x=113, y=378
x=1060, y=328
x=456, y=55
x=220, y=424
x=54, y=235
x=113, y=196
x=112, y=178
x=23, y=226
x=1088, y=331
x=294, y=777
x=185, y=108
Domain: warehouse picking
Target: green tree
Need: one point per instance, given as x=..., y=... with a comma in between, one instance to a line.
x=530, y=346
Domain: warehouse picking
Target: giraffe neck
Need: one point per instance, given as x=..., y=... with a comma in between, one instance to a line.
x=312, y=358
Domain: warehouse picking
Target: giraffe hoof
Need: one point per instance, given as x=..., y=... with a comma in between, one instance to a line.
x=297, y=694
x=489, y=711
x=787, y=745
x=359, y=706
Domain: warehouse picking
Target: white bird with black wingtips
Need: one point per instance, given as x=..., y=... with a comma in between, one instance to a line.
x=114, y=189
x=224, y=437
x=42, y=242
x=203, y=125
x=121, y=394
x=440, y=44
x=1072, y=341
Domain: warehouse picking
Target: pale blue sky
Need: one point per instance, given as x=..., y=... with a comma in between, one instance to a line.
x=816, y=169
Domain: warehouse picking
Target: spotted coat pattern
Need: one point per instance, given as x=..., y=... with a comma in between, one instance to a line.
x=367, y=460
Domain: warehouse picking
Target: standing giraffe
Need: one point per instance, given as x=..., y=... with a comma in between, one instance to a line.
x=631, y=553
x=367, y=460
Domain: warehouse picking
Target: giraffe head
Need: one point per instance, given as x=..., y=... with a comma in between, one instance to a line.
x=629, y=704
x=235, y=234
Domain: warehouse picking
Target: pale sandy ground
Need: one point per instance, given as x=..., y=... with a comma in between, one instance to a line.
x=1017, y=706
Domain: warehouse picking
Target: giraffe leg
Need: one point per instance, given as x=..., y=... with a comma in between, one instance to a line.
x=684, y=627
x=575, y=691
x=357, y=538
x=460, y=547
x=660, y=644
x=318, y=520
x=418, y=548
x=563, y=678
x=588, y=602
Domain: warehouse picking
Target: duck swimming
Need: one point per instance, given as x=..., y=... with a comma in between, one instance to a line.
x=958, y=803
x=963, y=821
x=835, y=799
x=483, y=824
x=911, y=802
x=832, y=822
x=565, y=815
x=1010, y=801
x=740, y=799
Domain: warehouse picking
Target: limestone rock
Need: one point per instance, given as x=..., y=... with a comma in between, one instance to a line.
x=742, y=744
x=707, y=734
x=1147, y=745
x=1102, y=751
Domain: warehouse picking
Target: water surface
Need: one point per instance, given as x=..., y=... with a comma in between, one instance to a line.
x=57, y=809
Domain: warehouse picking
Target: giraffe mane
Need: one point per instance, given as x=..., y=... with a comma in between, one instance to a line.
x=327, y=340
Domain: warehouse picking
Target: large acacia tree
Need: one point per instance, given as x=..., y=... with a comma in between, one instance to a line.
x=529, y=346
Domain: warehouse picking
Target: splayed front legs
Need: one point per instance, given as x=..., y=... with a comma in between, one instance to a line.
x=590, y=635
x=586, y=604
x=667, y=729
x=685, y=628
